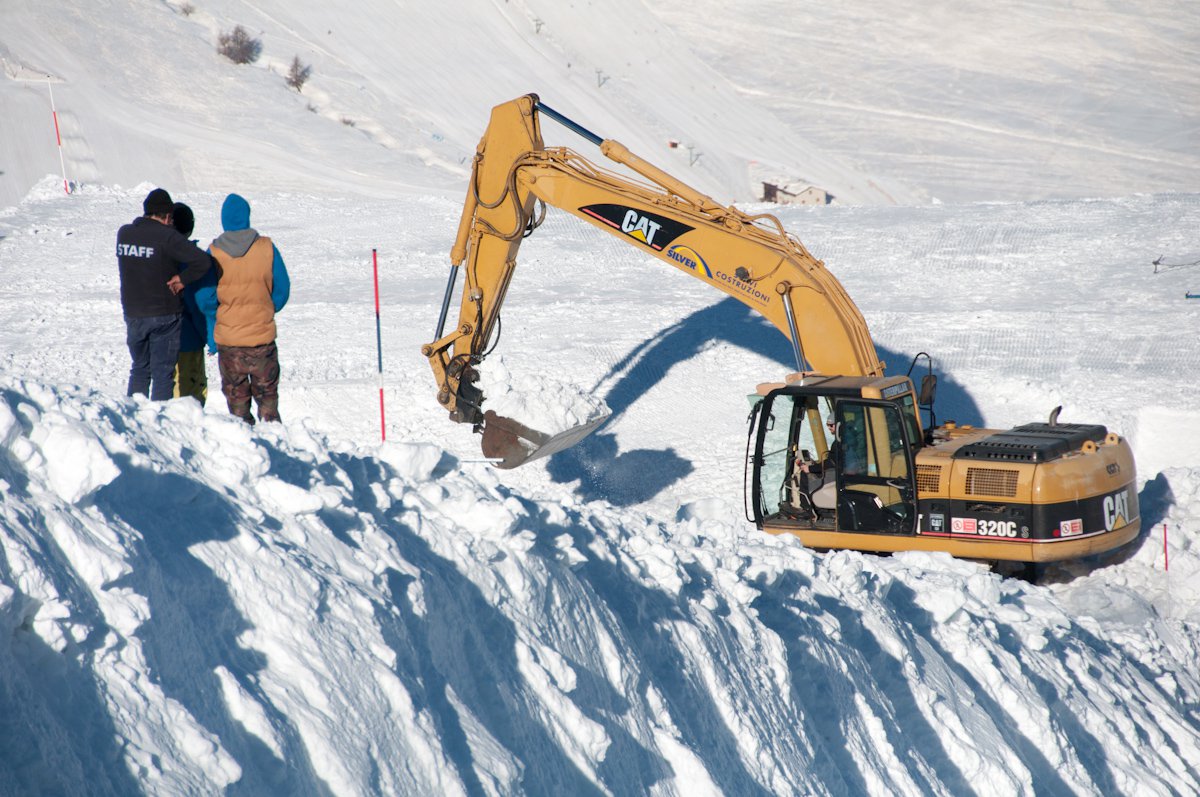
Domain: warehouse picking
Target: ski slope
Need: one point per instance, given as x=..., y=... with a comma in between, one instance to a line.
x=973, y=101
x=194, y=607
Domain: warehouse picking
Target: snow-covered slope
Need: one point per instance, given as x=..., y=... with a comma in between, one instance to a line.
x=189, y=606
x=397, y=100
x=959, y=101
x=972, y=100
x=192, y=605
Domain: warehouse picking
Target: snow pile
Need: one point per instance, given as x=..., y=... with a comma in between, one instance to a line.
x=192, y=604
x=538, y=401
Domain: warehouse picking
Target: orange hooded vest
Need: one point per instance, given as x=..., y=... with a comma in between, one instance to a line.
x=246, y=314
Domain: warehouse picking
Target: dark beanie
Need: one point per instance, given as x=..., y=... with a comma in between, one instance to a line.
x=183, y=219
x=157, y=203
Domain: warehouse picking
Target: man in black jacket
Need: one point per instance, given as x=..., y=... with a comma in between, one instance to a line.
x=150, y=252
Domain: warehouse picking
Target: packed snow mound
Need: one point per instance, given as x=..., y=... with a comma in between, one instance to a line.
x=191, y=604
x=538, y=401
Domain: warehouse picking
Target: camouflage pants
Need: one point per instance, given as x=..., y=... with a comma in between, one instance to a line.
x=250, y=371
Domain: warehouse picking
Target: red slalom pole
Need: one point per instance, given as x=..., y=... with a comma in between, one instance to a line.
x=1167, y=570
x=379, y=346
x=1166, y=559
x=58, y=137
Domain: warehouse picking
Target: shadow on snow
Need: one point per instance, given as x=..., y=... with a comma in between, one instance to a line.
x=624, y=478
x=194, y=623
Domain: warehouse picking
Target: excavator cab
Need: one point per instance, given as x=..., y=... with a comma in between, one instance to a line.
x=835, y=455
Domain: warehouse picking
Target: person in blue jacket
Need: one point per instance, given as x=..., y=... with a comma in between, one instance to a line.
x=191, y=378
x=251, y=286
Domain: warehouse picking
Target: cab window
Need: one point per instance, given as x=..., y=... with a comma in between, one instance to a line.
x=908, y=409
x=777, y=452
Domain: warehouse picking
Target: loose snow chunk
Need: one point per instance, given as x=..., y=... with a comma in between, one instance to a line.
x=183, y=411
x=240, y=460
x=690, y=775
x=539, y=402
x=566, y=546
x=582, y=739
x=735, y=588
x=412, y=461
x=9, y=428
x=295, y=500
x=706, y=509
x=76, y=463
x=943, y=599
x=247, y=711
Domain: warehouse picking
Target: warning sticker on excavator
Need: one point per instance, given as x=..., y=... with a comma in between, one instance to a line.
x=1070, y=528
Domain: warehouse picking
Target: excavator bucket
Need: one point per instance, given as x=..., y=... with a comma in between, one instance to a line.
x=512, y=443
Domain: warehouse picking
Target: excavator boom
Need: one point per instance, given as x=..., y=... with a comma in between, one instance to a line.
x=749, y=257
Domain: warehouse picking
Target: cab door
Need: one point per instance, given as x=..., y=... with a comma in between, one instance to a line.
x=876, y=480
x=773, y=457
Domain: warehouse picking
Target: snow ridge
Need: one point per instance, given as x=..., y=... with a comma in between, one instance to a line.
x=275, y=609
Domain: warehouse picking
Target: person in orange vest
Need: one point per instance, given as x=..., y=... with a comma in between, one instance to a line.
x=252, y=285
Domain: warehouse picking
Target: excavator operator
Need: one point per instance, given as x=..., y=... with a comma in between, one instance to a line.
x=812, y=482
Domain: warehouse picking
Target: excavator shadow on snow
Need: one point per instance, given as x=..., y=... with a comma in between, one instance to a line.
x=625, y=478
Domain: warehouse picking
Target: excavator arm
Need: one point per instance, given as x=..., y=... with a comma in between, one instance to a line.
x=749, y=257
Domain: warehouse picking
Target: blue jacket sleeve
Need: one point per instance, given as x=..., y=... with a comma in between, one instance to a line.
x=206, y=301
x=193, y=332
x=281, y=285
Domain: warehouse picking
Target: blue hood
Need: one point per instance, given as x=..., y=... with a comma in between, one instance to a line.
x=235, y=213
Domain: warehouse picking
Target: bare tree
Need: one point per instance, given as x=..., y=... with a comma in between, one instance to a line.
x=239, y=46
x=298, y=74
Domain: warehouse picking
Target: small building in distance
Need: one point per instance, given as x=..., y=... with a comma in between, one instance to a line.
x=795, y=194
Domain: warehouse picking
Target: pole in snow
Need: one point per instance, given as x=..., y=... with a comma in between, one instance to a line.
x=379, y=346
x=1167, y=569
x=1166, y=556
x=58, y=136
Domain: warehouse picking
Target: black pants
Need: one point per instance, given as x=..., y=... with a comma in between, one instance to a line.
x=153, y=346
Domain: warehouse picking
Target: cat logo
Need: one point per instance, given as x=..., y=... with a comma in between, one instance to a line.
x=1116, y=510
x=650, y=229
x=641, y=227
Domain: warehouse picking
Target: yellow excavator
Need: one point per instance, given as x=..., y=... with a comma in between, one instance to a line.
x=836, y=453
